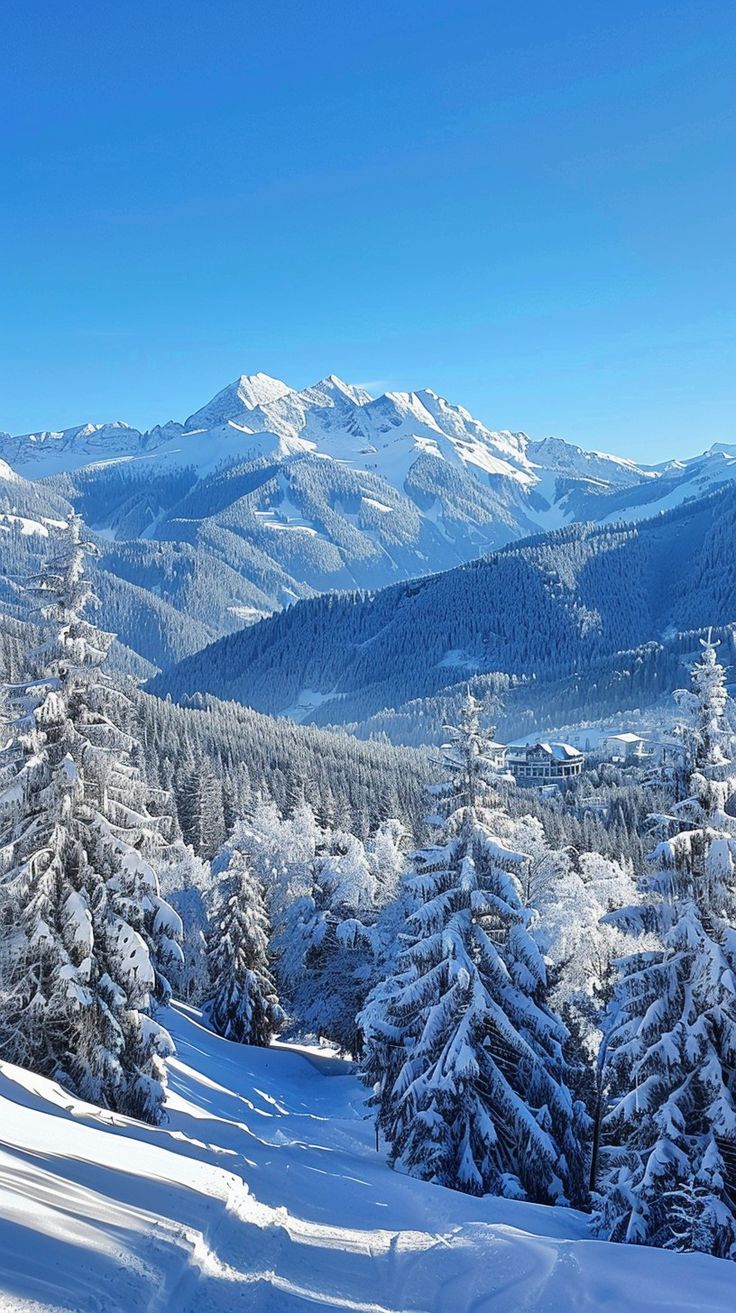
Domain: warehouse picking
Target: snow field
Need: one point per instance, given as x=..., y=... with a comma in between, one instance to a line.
x=264, y=1192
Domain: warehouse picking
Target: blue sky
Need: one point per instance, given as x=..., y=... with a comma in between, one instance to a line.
x=527, y=206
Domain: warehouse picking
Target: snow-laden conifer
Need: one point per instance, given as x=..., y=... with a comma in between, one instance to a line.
x=82, y=908
x=186, y=881
x=668, y=1162
x=243, y=1005
x=465, y=1058
x=326, y=945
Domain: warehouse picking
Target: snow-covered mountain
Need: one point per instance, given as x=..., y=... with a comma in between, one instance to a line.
x=257, y=415
x=52, y=450
x=278, y=493
x=331, y=418
x=245, y=395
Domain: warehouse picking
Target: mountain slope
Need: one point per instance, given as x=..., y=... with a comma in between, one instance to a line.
x=237, y=400
x=545, y=608
x=264, y=1192
x=24, y=501
x=260, y=417
x=283, y=493
x=354, y=783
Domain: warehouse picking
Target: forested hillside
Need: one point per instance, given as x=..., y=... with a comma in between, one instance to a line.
x=610, y=687
x=477, y=947
x=544, y=610
x=223, y=757
x=231, y=756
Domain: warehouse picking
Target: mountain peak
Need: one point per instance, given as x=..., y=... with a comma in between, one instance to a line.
x=243, y=394
x=332, y=386
x=258, y=389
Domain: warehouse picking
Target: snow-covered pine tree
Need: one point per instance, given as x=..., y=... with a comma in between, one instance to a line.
x=79, y=976
x=281, y=852
x=463, y=1054
x=668, y=1161
x=201, y=813
x=707, y=730
x=327, y=897
x=473, y=772
x=327, y=952
x=138, y=844
x=243, y=1005
x=186, y=882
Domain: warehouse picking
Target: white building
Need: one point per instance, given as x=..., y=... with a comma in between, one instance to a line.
x=627, y=748
x=496, y=754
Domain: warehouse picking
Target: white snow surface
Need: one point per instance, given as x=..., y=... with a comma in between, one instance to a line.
x=540, y=483
x=264, y=1192
x=246, y=393
x=306, y=702
x=7, y=475
x=257, y=415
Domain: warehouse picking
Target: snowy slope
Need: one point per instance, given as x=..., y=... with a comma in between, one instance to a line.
x=24, y=504
x=334, y=418
x=237, y=399
x=543, y=482
x=264, y=1192
x=565, y=459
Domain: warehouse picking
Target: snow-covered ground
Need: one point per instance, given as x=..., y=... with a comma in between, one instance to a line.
x=307, y=702
x=264, y=1191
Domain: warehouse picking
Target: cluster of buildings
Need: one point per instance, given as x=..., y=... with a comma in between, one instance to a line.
x=547, y=764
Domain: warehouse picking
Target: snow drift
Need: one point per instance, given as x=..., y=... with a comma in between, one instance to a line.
x=264, y=1191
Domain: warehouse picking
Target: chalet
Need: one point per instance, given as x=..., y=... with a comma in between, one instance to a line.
x=540, y=764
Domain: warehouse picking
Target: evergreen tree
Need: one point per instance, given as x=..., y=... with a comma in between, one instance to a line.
x=186, y=880
x=325, y=943
x=78, y=975
x=464, y=1056
x=668, y=1163
x=201, y=812
x=243, y=1006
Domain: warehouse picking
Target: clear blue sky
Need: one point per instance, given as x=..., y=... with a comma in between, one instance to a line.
x=528, y=206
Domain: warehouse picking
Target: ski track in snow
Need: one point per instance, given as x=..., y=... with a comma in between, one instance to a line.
x=264, y=1192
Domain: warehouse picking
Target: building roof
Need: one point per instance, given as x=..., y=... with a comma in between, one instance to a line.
x=626, y=738
x=563, y=751
x=560, y=751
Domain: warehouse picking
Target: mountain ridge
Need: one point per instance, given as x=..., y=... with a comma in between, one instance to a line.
x=549, y=607
x=258, y=414
x=296, y=493
x=259, y=402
